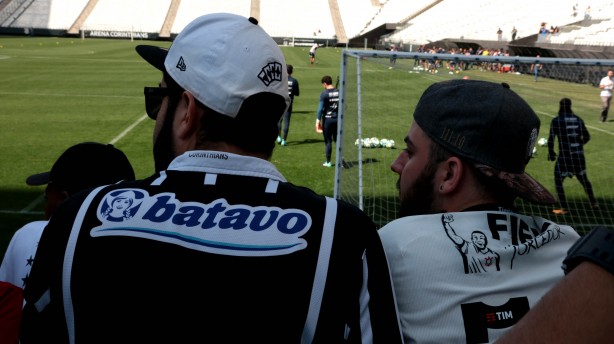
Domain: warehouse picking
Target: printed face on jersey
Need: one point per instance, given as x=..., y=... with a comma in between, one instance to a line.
x=121, y=205
x=216, y=227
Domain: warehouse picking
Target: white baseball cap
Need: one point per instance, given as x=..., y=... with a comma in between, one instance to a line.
x=222, y=59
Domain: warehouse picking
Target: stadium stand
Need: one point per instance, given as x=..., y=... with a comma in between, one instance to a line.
x=132, y=16
x=395, y=12
x=372, y=24
x=363, y=12
x=425, y=28
x=190, y=9
x=595, y=28
x=306, y=19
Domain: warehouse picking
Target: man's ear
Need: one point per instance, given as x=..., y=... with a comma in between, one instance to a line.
x=450, y=174
x=64, y=195
x=187, y=116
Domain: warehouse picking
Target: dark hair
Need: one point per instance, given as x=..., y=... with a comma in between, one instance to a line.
x=327, y=79
x=488, y=185
x=290, y=68
x=254, y=129
x=565, y=106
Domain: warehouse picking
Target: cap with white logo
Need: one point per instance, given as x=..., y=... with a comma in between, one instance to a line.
x=223, y=59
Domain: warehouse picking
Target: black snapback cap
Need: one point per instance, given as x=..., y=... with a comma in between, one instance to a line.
x=488, y=124
x=86, y=165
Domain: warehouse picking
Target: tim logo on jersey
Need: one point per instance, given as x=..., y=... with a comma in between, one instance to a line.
x=216, y=227
x=479, y=317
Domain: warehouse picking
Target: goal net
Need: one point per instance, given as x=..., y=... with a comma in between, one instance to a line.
x=379, y=94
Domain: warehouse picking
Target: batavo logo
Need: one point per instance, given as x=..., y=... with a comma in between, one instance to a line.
x=216, y=227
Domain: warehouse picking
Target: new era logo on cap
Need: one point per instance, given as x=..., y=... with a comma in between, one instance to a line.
x=181, y=64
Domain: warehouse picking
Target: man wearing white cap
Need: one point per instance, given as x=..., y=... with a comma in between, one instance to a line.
x=216, y=245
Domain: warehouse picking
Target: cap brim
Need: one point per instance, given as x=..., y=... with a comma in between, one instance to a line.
x=38, y=179
x=153, y=54
x=521, y=184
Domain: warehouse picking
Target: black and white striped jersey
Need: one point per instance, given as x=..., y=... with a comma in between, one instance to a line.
x=217, y=248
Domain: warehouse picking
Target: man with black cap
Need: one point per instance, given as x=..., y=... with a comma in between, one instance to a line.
x=216, y=245
x=82, y=166
x=465, y=264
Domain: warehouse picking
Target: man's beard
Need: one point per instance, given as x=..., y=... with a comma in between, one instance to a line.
x=163, y=146
x=419, y=199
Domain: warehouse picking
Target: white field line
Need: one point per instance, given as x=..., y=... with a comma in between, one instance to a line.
x=28, y=209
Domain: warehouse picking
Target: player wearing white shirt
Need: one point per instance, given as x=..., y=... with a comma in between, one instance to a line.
x=606, y=84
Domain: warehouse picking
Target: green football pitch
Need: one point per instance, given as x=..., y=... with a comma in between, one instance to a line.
x=56, y=92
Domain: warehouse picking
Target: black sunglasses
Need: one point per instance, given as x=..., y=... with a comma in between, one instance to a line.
x=153, y=100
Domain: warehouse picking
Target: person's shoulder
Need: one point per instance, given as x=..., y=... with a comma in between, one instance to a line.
x=308, y=197
x=73, y=203
x=304, y=194
x=352, y=214
x=566, y=230
x=403, y=223
x=29, y=230
x=31, y=226
x=347, y=207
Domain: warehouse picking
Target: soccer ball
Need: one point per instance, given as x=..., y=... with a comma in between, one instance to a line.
x=374, y=142
x=542, y=142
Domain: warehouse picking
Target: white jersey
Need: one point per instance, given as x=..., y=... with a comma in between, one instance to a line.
x=607, y=90
x=313, y=49
x=19, y=255
x=467, y=277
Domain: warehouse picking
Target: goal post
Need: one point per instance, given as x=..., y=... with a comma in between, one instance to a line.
x=379, y=95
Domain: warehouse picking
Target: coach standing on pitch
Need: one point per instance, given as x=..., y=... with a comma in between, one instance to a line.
x=216, y=245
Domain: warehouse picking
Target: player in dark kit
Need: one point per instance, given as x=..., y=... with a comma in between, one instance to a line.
x=293, y=91
x=572, y=136
x=328, y=108
x=216, y=245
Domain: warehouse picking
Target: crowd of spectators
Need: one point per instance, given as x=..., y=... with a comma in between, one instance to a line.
x=434, y=65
